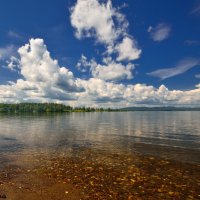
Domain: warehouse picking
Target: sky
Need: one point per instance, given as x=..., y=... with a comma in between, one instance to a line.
x=100, y=53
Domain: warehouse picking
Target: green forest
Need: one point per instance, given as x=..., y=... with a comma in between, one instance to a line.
x=46, y=107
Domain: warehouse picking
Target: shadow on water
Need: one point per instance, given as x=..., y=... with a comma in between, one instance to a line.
x=10, y=145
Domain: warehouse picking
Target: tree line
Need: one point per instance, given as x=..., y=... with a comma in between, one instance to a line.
x=47, y=107
x=55, y=107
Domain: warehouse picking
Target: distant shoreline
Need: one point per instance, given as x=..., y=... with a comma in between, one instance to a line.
x=56, y=108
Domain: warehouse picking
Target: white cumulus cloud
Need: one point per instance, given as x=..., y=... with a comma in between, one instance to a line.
x=128, y=50
x=108, y=71
x=37, y=66
x=42, y=75
x=93, y=18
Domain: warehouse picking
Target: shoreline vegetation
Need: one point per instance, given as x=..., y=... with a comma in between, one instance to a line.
x=55, y=107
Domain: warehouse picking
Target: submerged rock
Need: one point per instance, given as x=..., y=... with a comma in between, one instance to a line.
x=3, y=196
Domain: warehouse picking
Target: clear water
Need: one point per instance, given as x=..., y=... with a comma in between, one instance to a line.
x=122, y=152
x=107, y=129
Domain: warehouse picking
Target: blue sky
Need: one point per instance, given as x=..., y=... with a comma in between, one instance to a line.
x=109, y=53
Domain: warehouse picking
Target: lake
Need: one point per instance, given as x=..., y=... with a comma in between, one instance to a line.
x=151, y=135
x=110, y=130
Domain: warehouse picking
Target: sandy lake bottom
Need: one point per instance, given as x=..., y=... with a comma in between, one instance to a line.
x=92, y=173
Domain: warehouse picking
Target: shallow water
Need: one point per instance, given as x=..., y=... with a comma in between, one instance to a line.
x=109, y=155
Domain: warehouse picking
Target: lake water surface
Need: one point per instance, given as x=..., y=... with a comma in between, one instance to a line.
x=100, y=155
x=111, y=130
